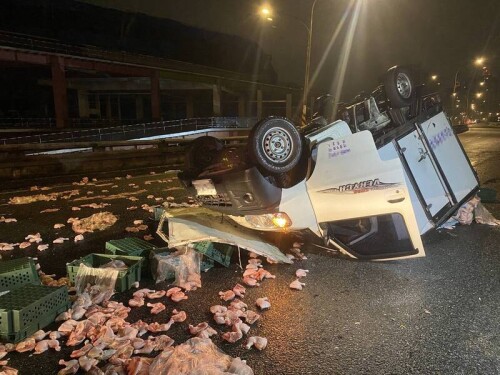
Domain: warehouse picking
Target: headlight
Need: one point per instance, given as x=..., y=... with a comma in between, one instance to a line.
x=269, y=221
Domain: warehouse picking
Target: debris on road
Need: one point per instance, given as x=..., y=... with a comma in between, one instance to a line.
x=470, y=211
x=301, y=273
x=258, y=342
x=98, y=221
x=7, y=220
x=263, y=303
x=297, y=285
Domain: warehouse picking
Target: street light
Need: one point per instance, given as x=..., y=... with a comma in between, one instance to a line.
x=479, y=94
x=434, y=77
x=478, y=61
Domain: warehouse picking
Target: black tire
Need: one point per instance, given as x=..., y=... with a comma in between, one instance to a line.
x=399, y=87
x=275, y=145
x=202, y=152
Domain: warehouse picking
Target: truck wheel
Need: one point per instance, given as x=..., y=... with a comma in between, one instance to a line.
x=275, y=145
x=202, y=152
x=399, y=87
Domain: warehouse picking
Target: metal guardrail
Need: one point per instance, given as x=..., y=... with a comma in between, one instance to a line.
x=13, y=123
x=108, y=145
x=126, y=132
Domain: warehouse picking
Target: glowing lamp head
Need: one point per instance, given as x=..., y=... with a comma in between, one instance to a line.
x=281, y=220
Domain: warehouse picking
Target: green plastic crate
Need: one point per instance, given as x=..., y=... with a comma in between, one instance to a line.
x=126, y=278
x=17, y=272
x=133, y=246
x=29, y=308
x=219, y=252
x=129, y=246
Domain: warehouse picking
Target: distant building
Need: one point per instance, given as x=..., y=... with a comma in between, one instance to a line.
x=82, y=64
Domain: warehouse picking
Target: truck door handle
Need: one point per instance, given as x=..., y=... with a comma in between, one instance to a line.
x=396, y=200
x=395, y=197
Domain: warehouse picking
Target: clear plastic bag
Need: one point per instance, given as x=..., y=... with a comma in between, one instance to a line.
x=187, y=274
x=103, y=278
x=183, y=265
x=163, y=266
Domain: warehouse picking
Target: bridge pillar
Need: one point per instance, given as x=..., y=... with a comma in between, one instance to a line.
x=216, y=100
x=289, y=106
x=139, y=108
x=259, y=104
x=155, y=96
x=83, y=104
x=241, y=106
x=59, y=90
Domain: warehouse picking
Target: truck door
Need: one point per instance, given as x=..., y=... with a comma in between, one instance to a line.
x=361, y=202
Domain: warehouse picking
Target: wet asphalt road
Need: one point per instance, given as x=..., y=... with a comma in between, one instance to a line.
x=434, y=315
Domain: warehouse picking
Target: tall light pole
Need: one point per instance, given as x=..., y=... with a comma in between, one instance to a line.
x=266, y=13
x=308, y=65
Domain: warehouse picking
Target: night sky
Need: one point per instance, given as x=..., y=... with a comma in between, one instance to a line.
x=440, y=36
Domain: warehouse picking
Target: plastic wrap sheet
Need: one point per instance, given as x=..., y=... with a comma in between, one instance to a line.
x=184, y=226
x=103, y=278
x=483, y=216
x=197, y=356
x=188, y=271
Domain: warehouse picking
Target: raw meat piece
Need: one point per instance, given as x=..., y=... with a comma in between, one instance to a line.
x=251, y=316
x=42, y=247
x=301, y=273
x=228, y=295
x=178, y=316
x=82, y=351
x=136, y=302
x=24, y=245
x=156, y=307
x=296, y=284
x=218, y=309
x=71, y=367
x=60, y=240
x=78, y=238
x=263, y=303
x=238, y=305
x=232, y=336
x=178, y=296
x=26, y=345
x=141, y=293
x=59, y=226
x=202, y=330
x=257, y=341
x=250, y=281
x=173, y=290
x=157, y=294
x=39, y=335
x=157, y=327
x=139, y=366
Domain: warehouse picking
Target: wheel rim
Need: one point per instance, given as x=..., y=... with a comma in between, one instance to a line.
x=403, y=85
x=277, y=145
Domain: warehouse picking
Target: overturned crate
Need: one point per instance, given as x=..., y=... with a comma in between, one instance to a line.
x=126, y=278
x=219, y=252
x=29, y=308
x=17, y=272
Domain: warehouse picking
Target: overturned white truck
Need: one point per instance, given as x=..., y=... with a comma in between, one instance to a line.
x=370, y=183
